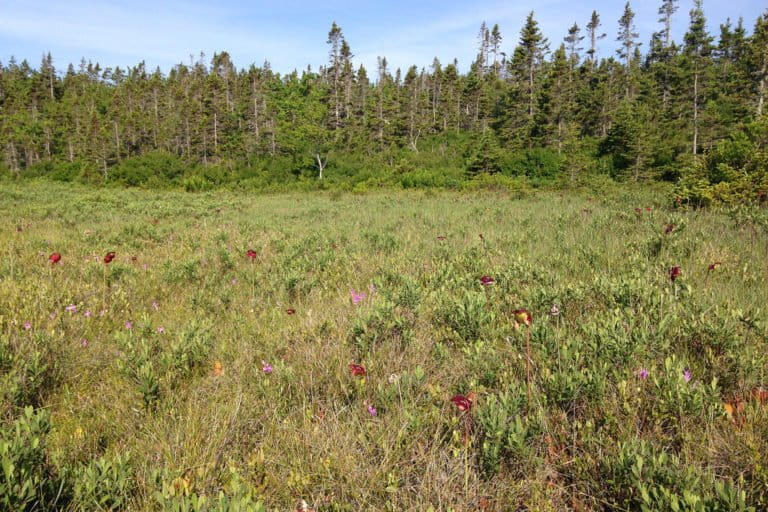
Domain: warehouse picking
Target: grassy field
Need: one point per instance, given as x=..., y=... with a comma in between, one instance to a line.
x=187, y=375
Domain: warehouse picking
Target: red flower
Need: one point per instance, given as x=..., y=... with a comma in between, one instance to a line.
x=760, y=394
x=714, y=266
x=486, y=280
x=523, y=316
x=357, y=370
x=109, y=257
x=674, y=273
x=54, y=258
x=252, y=254
x=462, y=402
x=670, y=228
x=290, y=311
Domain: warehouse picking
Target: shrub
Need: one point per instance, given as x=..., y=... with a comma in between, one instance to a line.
x=27, y=481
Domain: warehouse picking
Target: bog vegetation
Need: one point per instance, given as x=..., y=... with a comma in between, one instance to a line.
x=689, y=109
x=392, y=351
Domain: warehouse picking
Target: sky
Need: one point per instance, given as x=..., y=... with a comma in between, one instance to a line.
x=292, y=34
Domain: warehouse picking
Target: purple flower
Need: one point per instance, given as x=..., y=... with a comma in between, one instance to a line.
x=87, y=313
x=128, y=325
x=687, y=375
x=160, y=330
x=372, y=410
x=266, y=367
x=643, y=373
x=356, y=297
x=71, y=308
x=27, y=326
x=155, y=306
x=84, y=343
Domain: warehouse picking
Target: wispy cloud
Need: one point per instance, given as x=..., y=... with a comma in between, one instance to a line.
x=291, y=34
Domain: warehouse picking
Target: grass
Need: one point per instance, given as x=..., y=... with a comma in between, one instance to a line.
x=187, y=419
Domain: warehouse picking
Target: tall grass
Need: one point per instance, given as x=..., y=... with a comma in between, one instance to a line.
x=152, y=394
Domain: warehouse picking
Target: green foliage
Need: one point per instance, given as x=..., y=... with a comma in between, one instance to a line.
x=27, y=480
x=105, y=483
x=151, y=170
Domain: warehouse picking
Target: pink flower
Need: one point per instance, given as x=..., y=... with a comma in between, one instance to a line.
x=71, y=308
x=102, y=312
x=27, y=326
x=266, y=367
x=372, y=410
x=84, y=343
x=160, y=330
x=87, y=313
x=687, y=375
x=643, y=373
x=371, y=288
x=155, y=306
x=356, y=297
x=128, y=325
x=487, y=280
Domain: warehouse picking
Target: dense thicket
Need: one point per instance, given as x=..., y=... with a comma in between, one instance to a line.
x=691, y=111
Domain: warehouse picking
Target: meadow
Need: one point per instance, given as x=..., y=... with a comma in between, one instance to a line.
x=397, y=350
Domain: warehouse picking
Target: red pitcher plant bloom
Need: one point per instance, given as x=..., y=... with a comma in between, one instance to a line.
x=357, y=370
x=54, y=258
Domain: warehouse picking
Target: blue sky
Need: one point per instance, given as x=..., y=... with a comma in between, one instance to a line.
x=291, y=33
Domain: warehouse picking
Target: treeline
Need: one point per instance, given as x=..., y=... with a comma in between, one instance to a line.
x=691, y=109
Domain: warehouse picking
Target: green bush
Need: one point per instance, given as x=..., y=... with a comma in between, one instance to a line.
x=27, y=481
x=159, y=168
x=105, y=483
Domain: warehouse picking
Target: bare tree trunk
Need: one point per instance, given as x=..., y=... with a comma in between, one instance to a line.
x=215, y=132
x=530, y=89
x=189, y=143
x=320, y=164
x=695, y=110
x=157, y=117
x=761, y=88
x=117, y=141
x=273, y=146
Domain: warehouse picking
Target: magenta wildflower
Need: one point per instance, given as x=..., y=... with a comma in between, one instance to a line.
x=687, y=375
x=160, y=330
x=266, y=367
x=372, y=410
x=102, y=312
x=155, y=306
x=643, y=373
x=27, y=326
x=87, y=313
x=356, y=297
x=487, y=280
x=84, y=343
x=128, y=325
